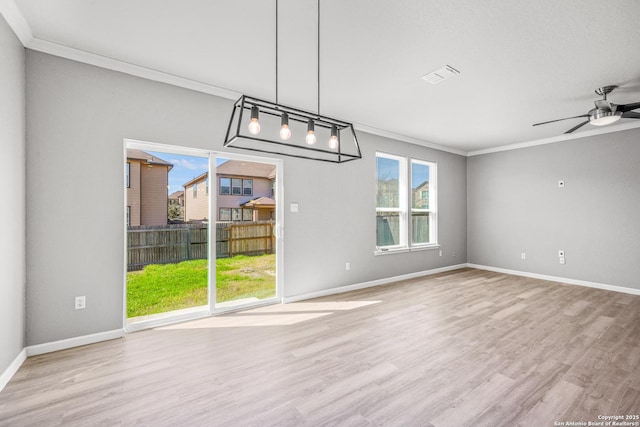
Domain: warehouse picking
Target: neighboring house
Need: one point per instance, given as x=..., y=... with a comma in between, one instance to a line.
x=421, y=196
x=177, y=198
x=244, y=192
x=147, y=178
x=196, y=199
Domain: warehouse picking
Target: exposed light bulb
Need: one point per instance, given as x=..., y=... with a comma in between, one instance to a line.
x=285, y=132
x=333, y=141
x=254, y=125
x=311, y=136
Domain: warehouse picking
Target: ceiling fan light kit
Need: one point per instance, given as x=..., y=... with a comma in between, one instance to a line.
x=605, y=113
x=270, y=127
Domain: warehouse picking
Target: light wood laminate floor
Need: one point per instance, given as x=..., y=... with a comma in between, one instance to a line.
x=464, y=348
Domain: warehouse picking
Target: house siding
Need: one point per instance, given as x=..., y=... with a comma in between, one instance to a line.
x=196, y=209
x=133, y=193
x=153, y=197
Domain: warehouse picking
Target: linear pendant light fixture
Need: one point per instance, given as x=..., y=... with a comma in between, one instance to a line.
x=268, y=127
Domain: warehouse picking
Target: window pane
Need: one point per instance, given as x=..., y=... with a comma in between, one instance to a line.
x=420, y=227
x=388, y=173
x=247, y=214
x=236, y=214
x=248, y=187
x=195, y=190
x=225, y=214
x=236, y=186
x=225, y=186
x=387, y=228
x=419, y=186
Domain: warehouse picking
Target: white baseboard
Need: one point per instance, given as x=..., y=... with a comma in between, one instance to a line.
x=566, y=280
x=12, y=368
x=48, y=347
x=349, y=288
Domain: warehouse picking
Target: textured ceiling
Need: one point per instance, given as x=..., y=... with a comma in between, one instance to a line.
x=521, y=61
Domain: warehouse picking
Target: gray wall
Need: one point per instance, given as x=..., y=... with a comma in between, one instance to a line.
x=515, y=206
x=77, y=118
x=12, y=176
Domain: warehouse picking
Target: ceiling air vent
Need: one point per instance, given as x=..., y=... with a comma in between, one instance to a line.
x=440, y=74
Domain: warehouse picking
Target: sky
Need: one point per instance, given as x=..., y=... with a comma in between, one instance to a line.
x=185, y=168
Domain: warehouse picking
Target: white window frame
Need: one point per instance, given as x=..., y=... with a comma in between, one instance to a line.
x=405, y=209
x=432, y=210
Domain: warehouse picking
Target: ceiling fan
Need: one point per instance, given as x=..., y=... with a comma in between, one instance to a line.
x=605, y=112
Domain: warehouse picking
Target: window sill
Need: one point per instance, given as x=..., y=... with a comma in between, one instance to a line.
x=405, y=250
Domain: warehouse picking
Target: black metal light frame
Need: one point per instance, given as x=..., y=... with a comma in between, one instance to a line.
x=237, y=133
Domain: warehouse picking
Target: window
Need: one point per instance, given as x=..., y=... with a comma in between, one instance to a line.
x=247, y=187
x=128, y=216
x=225, y=214
x=195, y=190
x=422, y=214
x=225, y=185
x=247, y=214
x=236, y=186
x=405, y=203
x=128, y=169
x=207, y=184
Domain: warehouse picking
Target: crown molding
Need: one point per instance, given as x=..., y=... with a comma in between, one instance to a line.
x=85, y=57
x=560, y=138
x=9, y=10
x=410, y=140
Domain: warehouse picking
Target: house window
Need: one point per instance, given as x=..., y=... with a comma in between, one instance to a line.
x=236, y=214
x=236, y=186
x=207, y=184
x=391, y=201
x=128, y=216
x=247, y=187
x=225, y=214
x=225, y=185
x=423, y=177
x=247, y=214
x=195, y=190
x=405, y=203
x=128, y=169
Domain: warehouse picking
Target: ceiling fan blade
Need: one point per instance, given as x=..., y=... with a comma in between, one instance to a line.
x=630, y=115
x=628, y=107
x=566, y=118
x=577, y=127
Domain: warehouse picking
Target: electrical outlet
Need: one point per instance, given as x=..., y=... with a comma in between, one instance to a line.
x=523, y=255
x=347, y=266
x=81, y=303
x=562, y=260
x=453, y=253
x=440, y=252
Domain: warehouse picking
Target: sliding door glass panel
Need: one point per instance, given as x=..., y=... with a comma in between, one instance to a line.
x=245, y=209
x=167, y=233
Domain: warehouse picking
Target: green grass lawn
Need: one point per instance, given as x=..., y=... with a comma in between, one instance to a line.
x=166, y=287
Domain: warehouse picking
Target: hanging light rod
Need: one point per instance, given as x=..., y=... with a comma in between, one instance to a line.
x=288, y=131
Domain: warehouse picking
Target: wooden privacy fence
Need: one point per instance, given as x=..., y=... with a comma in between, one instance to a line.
x=162, y=244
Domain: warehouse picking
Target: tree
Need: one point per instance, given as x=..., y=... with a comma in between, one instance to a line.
x=174, y=212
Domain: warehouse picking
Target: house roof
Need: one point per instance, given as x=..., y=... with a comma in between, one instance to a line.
x=176, y=194
x=242, y=168
x=198, y=178
x=261, y=202
x=146, y=157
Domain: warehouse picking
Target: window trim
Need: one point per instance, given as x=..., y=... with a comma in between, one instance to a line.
x=406, y=205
